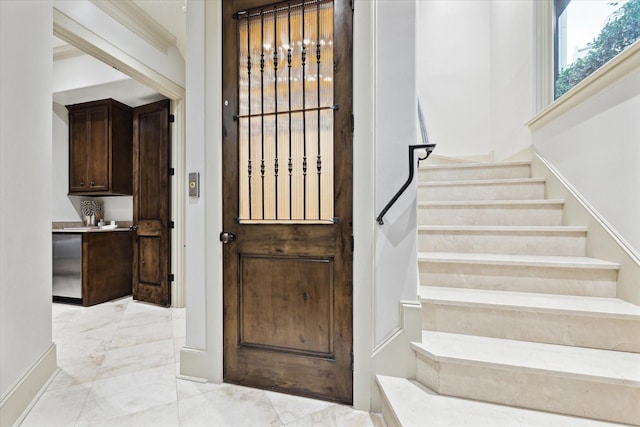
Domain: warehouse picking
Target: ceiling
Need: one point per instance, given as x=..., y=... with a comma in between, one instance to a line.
x=129, y=92
x=170, y=14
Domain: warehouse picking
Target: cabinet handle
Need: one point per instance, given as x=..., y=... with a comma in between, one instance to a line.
x=92, y=183
x=81, y=183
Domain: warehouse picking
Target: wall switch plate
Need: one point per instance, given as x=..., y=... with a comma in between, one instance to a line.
x=194, y=184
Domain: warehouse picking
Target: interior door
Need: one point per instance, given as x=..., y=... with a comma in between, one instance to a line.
x=287, y=174
x=151, y=203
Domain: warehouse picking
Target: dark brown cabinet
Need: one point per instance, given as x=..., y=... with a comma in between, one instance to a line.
x=106, y=266
x=100, y=148
x=92, y=267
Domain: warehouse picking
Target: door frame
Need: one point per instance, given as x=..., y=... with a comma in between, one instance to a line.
x=203, y=358
x=88, y=42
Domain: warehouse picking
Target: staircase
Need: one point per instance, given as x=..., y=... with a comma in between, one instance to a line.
x=520, y=327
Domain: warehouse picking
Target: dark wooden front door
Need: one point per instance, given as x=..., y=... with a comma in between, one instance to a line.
x=151, y=202
x=287, y=184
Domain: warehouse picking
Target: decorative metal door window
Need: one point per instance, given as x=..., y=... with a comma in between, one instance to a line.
x=285, y=120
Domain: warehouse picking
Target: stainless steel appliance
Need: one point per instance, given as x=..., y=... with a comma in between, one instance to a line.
x=67, y=267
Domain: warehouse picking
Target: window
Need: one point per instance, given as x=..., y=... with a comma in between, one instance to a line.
x=286, y=112
x=588, y=33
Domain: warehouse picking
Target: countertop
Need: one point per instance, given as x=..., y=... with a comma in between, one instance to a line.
x=78, y=227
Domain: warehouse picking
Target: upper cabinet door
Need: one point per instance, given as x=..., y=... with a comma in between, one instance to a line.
x=78, y=151
x=98, y=157
x=100, y=148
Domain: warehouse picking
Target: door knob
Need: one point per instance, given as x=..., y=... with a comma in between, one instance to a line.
x=226, y=237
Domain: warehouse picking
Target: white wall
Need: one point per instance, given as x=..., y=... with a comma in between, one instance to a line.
x=512, y=75
x=81, y=72
x=594, y=146
x=454, y=74
x=396, y=276
x=475, y=75
x=25, y=176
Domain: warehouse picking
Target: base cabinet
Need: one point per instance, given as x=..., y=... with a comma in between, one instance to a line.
x=106, y=267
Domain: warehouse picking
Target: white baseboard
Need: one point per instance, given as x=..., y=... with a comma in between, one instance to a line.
x=437, y=158
x=197, y=365
x=14, y=405
x=395, y=357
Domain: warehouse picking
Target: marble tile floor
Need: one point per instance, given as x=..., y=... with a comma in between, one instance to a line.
x=118, y=364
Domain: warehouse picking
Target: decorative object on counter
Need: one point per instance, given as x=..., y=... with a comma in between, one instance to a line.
x=91, y=211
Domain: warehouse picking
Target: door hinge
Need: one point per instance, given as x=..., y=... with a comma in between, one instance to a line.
x=353, y=6
x=171, y=277
x=172, y=118
x=171, y=225
x=353, y=368
x=172, y=171
x=353, y=123
x=353, y=243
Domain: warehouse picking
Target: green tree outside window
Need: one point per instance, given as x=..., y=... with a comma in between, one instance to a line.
x=622, y=29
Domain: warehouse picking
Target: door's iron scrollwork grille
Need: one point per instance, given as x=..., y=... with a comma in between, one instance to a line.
x=286, y=111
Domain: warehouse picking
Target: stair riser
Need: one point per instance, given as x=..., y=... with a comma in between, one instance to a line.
x=584, y=330
x=528, y=191
x=563, y=281
x=463, y=174
x=507, y=385
x=490, y=215
x=518, y=243
x=390, y=419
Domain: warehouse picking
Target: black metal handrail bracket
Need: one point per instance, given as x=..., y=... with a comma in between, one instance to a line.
x=412, y=148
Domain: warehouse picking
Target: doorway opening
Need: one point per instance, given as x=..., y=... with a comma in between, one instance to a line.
x=133, y=90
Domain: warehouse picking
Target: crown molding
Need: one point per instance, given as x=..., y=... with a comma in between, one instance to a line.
x=138, y=21
x=66, y=51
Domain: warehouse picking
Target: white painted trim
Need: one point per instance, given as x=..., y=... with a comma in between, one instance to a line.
x=89, y=42
x=543, y=54
x=131, y=16
x=16, y=403
x=178, y=195
x=213, y=190
x=196, y=365
x=623, y=65
x=65, y=52
x=364, y=225
x=395, y=357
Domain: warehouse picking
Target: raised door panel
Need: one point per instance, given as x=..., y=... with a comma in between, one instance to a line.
x=106, y=271
x=99, y=153
x=78, y=150
x=293, y=315
x=121, y=165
